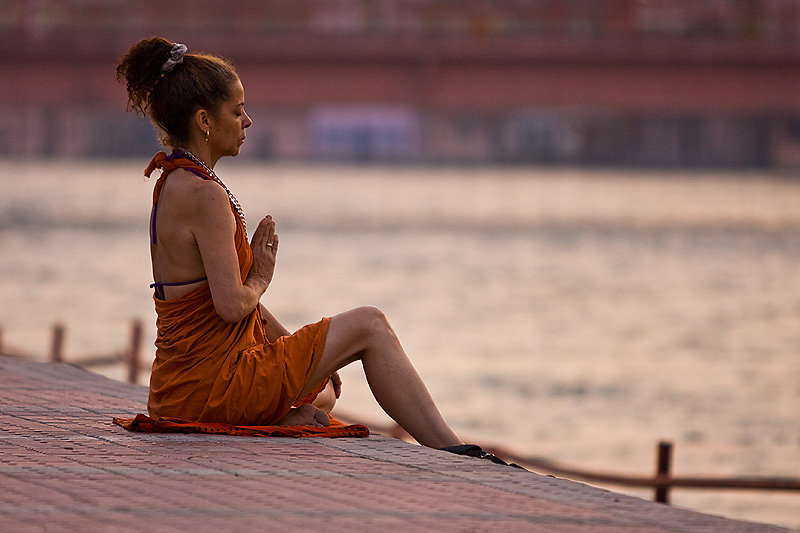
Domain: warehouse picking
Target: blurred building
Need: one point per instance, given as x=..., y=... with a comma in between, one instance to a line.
x=602, y=82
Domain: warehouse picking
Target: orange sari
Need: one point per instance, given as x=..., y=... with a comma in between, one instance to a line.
x=209, y=370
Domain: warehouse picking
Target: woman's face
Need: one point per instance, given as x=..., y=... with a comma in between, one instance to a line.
x=228, y=124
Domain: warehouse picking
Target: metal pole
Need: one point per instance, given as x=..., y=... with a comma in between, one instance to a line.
x=663, y=471
x=135, y=352
x=57, y=346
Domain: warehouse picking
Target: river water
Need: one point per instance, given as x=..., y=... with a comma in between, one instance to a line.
x=574, y=314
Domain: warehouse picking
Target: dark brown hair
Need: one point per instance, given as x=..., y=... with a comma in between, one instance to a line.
x=171, y=99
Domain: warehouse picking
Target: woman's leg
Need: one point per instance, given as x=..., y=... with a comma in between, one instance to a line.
x=365, y=334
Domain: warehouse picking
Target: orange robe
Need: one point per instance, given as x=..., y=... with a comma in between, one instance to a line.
x=210, y=370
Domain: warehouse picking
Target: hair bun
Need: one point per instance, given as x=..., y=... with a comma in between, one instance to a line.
x=141, y=69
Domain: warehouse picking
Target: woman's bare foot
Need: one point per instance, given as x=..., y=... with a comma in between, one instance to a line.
x=305, y=415
x=326, y=399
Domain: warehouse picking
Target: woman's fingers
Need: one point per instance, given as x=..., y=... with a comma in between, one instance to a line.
x=260, y=234
x=271, y=244
x=270, y=237
x=264, y=245
x=265, y=238
x=270, y=228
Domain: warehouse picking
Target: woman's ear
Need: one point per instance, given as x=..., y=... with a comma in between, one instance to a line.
x=202, y=119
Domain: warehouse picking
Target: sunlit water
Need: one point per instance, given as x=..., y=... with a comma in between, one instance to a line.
x=576, y=315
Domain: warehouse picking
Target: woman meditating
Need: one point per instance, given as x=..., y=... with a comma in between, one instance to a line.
x=220, y=355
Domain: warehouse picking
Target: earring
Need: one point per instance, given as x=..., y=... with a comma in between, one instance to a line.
x=208, y=132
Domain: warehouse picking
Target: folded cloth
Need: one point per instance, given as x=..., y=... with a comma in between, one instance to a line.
x=146, y=424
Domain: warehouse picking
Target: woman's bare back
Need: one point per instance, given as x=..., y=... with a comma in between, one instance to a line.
x=176, y=260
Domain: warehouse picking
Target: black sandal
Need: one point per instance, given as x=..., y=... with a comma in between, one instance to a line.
x=473, y=450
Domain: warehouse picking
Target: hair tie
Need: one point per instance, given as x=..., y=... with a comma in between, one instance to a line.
x=175, y=58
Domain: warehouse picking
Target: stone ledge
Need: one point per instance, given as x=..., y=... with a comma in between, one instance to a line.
x=64, y=465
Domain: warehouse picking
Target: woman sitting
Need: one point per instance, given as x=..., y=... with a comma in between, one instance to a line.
x=220, y=355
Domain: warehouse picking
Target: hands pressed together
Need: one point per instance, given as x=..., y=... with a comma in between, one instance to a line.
x=265, y=249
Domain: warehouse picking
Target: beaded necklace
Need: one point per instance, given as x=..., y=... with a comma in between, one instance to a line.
x=214, y=176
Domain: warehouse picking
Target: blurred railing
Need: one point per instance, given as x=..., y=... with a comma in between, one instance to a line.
x=662, y=482
x=130, y=356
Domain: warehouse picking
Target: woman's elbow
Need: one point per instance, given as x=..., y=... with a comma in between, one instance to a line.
x=231, y=313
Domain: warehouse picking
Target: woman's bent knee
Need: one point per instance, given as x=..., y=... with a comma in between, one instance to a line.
x=362, y=322
x=373, y=316
x=353, y=333
x=373, y=323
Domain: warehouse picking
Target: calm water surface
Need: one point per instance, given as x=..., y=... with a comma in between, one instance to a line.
x=573, y=314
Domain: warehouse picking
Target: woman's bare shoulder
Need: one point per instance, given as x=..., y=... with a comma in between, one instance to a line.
x=191, y=183
x=186, y=188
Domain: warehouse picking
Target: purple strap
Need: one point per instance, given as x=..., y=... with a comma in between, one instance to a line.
x=153, y=223
x=158, y=284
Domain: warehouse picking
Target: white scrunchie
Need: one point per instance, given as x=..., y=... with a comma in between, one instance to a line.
x=175, y=58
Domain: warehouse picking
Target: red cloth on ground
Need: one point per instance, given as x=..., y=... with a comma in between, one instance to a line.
x=146, y=424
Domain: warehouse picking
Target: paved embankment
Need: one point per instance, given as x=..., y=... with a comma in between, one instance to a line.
x=65, y=466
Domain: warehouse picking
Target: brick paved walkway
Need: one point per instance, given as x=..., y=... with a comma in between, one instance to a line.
x=65, y=466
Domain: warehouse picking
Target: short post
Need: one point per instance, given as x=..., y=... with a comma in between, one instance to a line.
x=57, y=345
x=134, y=351
x=663, y=472
x=1, y=341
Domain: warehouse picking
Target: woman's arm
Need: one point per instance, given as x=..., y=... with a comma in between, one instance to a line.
x=272, y=328
x=213, y=227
